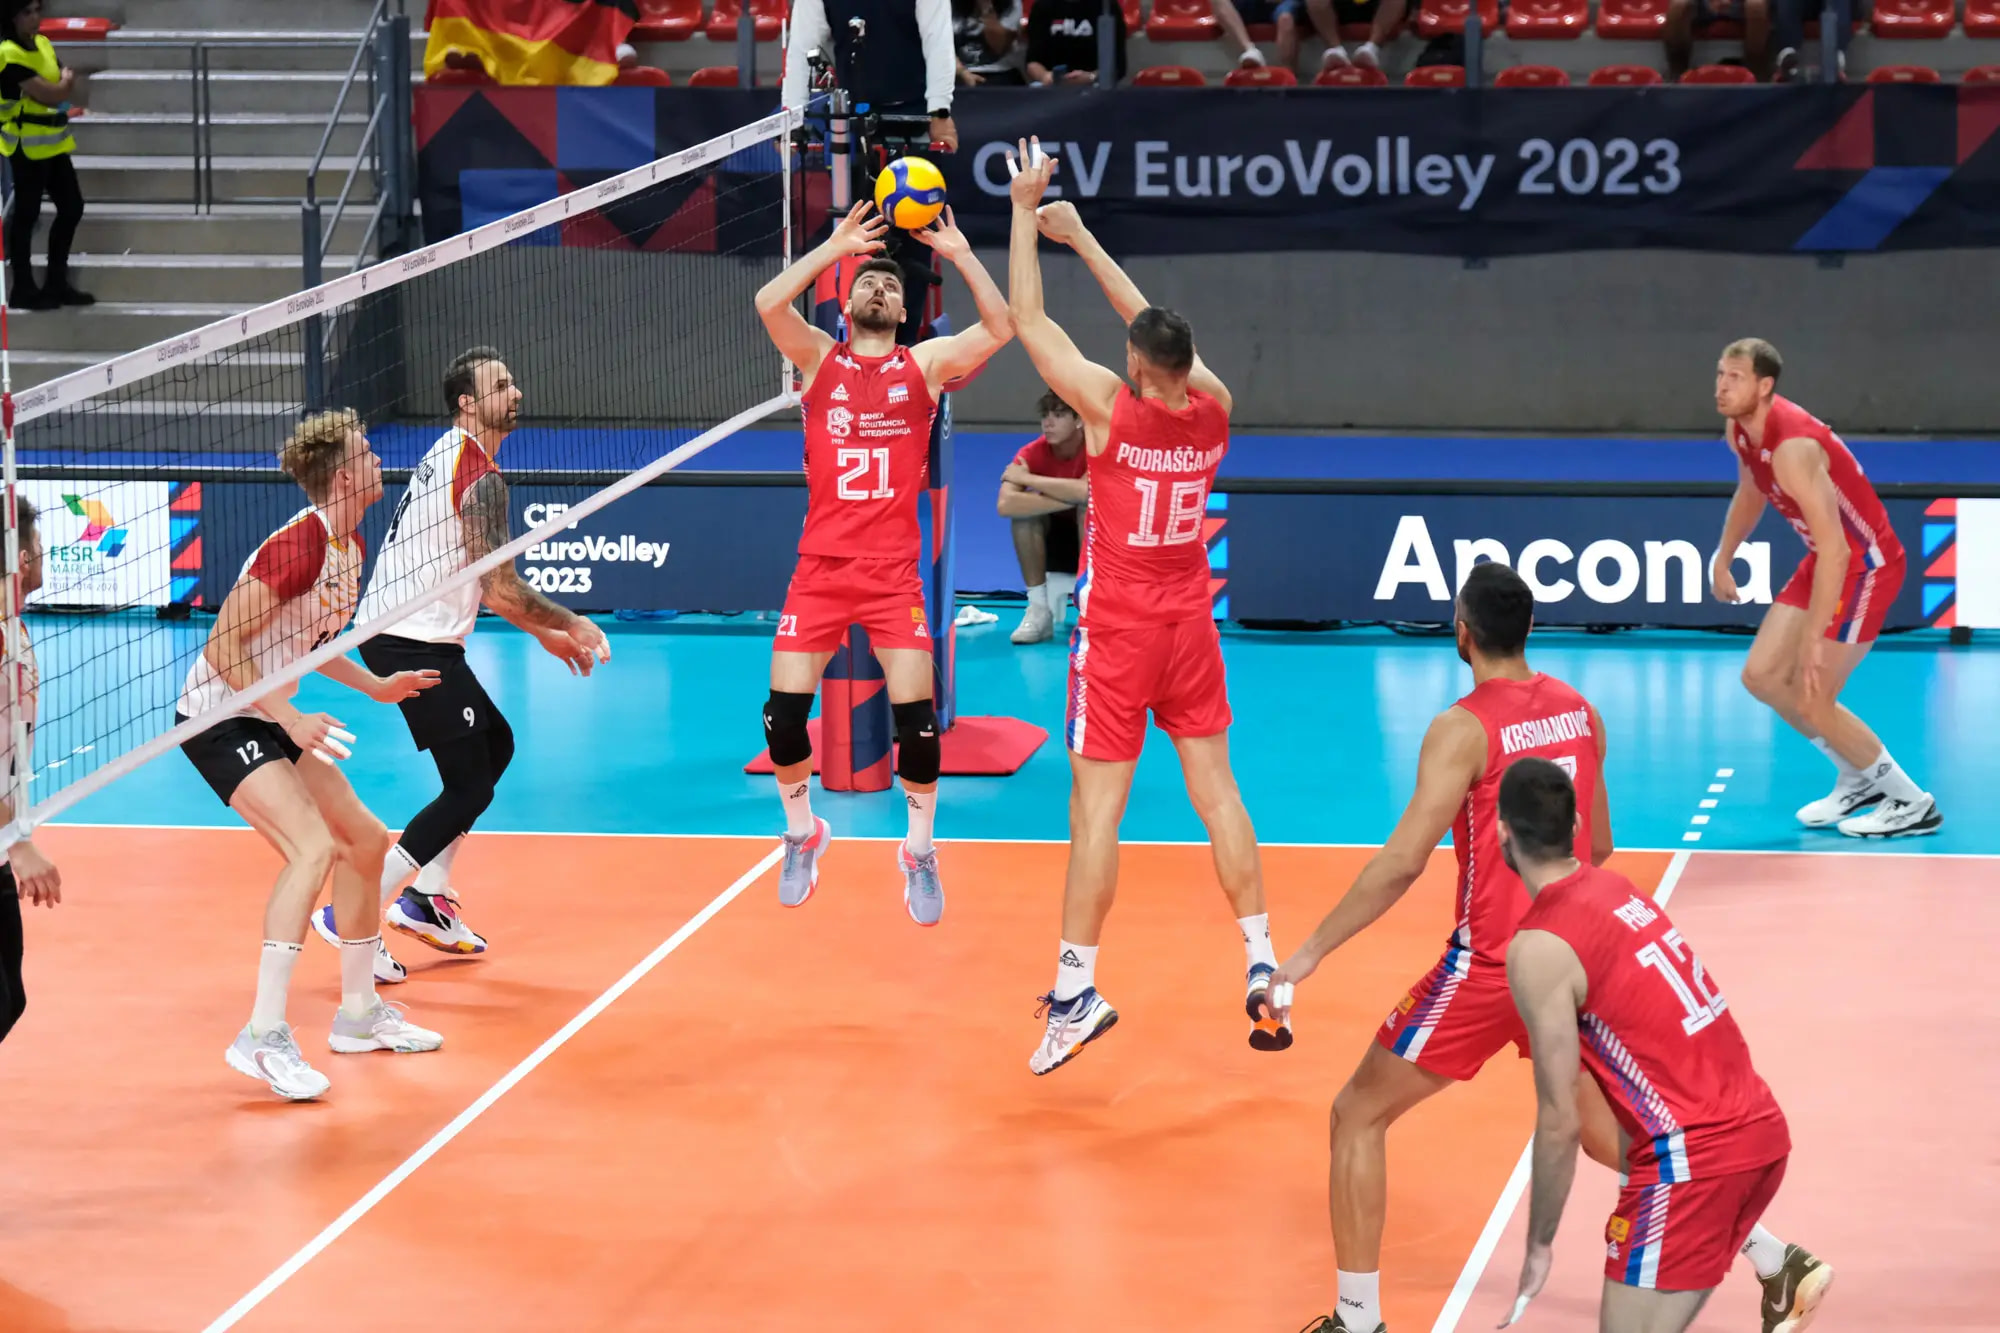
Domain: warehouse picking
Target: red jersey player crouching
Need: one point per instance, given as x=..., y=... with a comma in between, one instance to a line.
x=1146, y=638
x=868, y=407
x=1830, y=612
x=1601, y=977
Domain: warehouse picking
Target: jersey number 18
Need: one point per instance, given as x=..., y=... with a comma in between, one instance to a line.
x=1187, y=502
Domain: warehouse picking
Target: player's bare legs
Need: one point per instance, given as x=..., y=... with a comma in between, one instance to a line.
x=909, y=673
x=1076, y=1013
x=1640, y=1310
x=363, y=1022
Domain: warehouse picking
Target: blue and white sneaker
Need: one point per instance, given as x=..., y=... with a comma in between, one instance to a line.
x=923, y=895
x=799, y=875
x=1073, y=1025
x=1266, y=1033
x=433, y=918
x=387, y=970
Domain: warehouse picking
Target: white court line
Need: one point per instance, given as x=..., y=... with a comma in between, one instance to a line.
x=1517, y=1184
x=334, y=1230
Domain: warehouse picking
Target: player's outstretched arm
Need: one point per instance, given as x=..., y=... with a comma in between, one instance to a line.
x=1548, y=984
x=859, y=233
x=1061, y=222
x=567, y=635
x=1453, y=755
x=1745, y=508
x=382, y=689
x=1601, y=845
x=1088, y=387
x=245, y=612
x=954, y=357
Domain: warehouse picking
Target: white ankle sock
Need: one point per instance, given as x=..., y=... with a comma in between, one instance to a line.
x=1076, y=970
x=274, y=982
x=797, y=797
x=1360, y=1301
x=1060, y=587
x=1765, y=1251
x=1257, y=941
x=357, y=975
x=923, y=810
x=435, y=878
x=1849, y=774
x=1038, y=596
x=1890, y=779
x=397, y=866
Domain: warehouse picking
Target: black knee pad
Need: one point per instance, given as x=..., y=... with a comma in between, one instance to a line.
x=785, y=727
x=918, y=758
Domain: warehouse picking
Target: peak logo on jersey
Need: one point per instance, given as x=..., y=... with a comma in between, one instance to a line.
x=839, y=394
x=899, y=393
x=839, y=422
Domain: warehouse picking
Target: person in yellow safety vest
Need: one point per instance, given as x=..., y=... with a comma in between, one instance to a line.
x=34, y=135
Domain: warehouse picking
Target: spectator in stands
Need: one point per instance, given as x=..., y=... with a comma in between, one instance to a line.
x=1383, y=17
x=1062, y=40
x=988, y=36
x=1044, y=492
x=34, y=134
x=1236, y=16
x=1789, y=21
x=1689, y=19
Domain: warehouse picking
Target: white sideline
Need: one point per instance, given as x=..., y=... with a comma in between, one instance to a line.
x=1517, y=1184
x=339, y=1226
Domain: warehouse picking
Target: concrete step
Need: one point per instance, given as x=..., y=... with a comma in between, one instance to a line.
x=164, y=180
x=260, y=375
x=232, y=229
x=255, y=48
x=237, y=15
x=152, y=278
x=242, y=133
x=111, y=328
x=171, y=91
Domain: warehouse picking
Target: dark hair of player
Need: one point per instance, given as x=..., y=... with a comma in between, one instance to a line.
x=25, y=518
x=1497, y=608
x=1538, y=806
x=1763, y=358
x=1051, y=404
x=461, y=376
x=1164, y=338
x=880, y=264
x=318, y=449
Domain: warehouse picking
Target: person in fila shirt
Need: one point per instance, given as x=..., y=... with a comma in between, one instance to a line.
x=297, y=591
x=1829, y=613
x=453, y=514
x=1146, y=637
x=27, y=875
x=1603, y=981
x=868, y=405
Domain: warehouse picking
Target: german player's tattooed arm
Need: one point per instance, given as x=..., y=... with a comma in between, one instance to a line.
x=484, y=514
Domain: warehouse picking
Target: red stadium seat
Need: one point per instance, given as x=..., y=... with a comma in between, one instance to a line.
x=1168, y=76
x=78, y=29
x=766, y=16
x=1914, y=18
x=1531, y=76
x=1435, y=76
x=667, y=20
x=1982, y=18
x=1902, y=74
x=715, y=76
x=1437, y=18
x=1543, y=20
x=1182, y=21
x=1718, y=74
x=1351, y=76
x=1260, y=76
x=643, y=76
x=1983, y=74
x=1626, y=76
x=1633, y=20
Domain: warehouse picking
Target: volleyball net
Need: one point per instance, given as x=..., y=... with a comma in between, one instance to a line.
x=623, y=309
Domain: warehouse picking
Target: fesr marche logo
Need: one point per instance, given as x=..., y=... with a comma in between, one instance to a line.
x=99, y=527
x=1889, y=193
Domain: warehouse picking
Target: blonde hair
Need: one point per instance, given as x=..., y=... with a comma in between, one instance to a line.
x=318, y=449
x=1763, y=358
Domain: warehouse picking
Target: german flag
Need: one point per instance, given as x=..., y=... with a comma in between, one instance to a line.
x=531, y=41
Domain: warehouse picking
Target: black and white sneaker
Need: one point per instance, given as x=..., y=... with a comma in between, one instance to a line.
x=1895, y=819
x=1844, y=800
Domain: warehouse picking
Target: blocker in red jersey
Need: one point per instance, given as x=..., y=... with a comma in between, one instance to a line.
x=1146, y=639
x=1605, y=982
x=1830, y=612
x=868, y=404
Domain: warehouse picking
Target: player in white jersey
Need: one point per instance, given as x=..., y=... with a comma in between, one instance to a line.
x=296, y=592
x=27, y=873
x=455, y=513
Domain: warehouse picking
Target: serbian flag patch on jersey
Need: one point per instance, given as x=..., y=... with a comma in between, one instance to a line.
x=530, y=41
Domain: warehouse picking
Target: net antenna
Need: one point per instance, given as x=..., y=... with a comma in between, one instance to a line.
x=682, y=242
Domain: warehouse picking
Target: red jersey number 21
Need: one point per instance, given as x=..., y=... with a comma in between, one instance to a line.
x=1187, y=502
x=854, y=481
x=1703, y=1005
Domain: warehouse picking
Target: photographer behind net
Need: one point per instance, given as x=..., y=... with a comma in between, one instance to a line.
x=895, y=57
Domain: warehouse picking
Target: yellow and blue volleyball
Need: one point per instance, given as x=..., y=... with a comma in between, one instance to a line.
x=910, y=192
